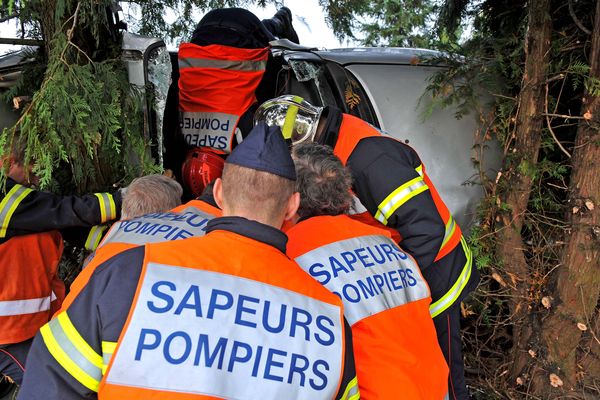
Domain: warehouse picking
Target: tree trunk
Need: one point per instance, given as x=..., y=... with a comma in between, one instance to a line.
x=45, y=10
x=578, y=281
x=518, y=173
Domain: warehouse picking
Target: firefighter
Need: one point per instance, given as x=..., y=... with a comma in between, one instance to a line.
x=30, y=250
x=226, y=315
x=153, y=218
x=220, y=71
x=150, y=194
x=393, y=189
x=24, y=210
x=386, y=300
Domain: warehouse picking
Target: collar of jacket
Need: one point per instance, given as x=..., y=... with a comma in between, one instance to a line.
x=207, y=196
x=333, y=121
x=251, y=229
x=10, y=182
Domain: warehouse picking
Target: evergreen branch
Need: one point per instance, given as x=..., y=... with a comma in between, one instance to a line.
x=562, y=87
x=555, y=78
x=576, y=20
x=503, y=96
x=549, y=123
x=84, y=114
x=70, y=32
x=565, y=116
x=81, y=51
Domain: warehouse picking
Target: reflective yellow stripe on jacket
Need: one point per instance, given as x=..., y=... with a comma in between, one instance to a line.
x=452, y=295
x=398, y=197
x=450, y=225
x=449, y=232
x=72, y=352
x=351, y=392
x=394, y=201
x=9, y=204
x=419, y=170
x=108, y=210
x=94, y=236
x=108, y=348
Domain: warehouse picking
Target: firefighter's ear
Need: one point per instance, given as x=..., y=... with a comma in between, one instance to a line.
x=292, y=206
x=218, y=192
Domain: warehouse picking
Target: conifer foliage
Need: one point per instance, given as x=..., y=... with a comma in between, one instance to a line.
x=85, y=117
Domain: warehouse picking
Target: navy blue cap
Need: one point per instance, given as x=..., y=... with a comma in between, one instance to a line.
x=264, y=149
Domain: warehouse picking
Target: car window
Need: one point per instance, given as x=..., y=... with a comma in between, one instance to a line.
x=352, y=98
x=326, y=83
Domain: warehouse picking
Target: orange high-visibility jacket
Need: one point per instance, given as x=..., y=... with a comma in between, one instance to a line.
x=352, y=131
x=30, y=290
x=209, y=322
x=392, y=185
x=217, y=86
x=184, y=221
x=386, y=301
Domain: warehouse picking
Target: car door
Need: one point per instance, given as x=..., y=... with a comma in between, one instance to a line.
x=149, y=68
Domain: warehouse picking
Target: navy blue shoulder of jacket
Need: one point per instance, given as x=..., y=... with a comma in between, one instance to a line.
x=372, y=148
x=107, y=296
x=126, y=263
x=118, y=199
x=251, y=229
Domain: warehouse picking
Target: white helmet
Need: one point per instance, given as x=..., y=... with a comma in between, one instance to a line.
x=297, y=118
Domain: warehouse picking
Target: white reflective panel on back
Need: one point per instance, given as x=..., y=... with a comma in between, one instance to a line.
x=369, y=273
x=159, y=227
x=29, y=306
x=208, y=129
x=208, y=333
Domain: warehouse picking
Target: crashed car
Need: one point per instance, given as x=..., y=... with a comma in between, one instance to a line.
x=383, y=86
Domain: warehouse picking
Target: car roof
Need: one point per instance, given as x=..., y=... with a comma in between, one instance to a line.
x=16, y=59
x=358, y=55
x=380, y=55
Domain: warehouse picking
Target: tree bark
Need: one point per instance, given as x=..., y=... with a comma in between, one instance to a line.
x=518, y=173
x=45, y=10
x=578, y=281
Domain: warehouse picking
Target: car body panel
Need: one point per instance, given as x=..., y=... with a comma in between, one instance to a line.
x=381, y=55
x=444, y=143
x=394, y=80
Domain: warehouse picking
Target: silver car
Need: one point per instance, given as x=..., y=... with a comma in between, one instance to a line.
x=386, y=87
x=383, y=86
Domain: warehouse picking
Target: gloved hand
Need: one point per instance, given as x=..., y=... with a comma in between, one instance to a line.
x=286, y=29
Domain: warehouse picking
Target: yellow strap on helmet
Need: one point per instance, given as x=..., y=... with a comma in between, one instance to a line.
x=290, y=118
